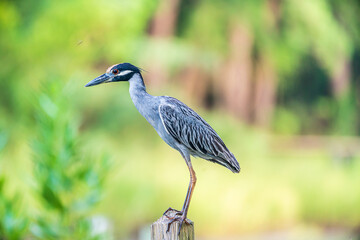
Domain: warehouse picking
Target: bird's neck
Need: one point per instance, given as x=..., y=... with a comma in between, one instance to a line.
x=137, y=90
x=137, y=85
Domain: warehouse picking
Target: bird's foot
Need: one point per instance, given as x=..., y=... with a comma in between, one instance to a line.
x=181, y=219
x=171, y=209
x=175, y=215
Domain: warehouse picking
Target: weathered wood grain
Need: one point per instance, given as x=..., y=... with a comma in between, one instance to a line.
x=158, y=229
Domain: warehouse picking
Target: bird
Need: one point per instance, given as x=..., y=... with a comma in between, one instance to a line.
x=176, y=123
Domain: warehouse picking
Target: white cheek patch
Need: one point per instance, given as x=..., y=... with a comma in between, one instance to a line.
x=124, y=72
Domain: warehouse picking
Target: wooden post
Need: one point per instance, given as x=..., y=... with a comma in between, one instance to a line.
x=158, y=229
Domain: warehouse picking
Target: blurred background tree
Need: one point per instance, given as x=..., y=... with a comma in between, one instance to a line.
x=278, y=79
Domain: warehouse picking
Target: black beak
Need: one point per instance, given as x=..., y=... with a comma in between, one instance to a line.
x=99, y=80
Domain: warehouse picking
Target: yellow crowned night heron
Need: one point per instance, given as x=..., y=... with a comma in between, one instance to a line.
x=177, y=124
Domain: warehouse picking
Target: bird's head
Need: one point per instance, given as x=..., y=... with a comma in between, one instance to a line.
x=116, y=73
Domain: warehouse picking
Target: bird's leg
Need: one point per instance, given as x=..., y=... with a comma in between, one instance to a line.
x=186, y=203
x=189, y=193
x=184, y=211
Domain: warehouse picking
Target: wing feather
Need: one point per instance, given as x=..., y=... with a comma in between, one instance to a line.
x=189, y=129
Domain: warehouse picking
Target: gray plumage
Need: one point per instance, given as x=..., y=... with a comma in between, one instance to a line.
x=180, y=126
x=191, y=130
x=177, y=124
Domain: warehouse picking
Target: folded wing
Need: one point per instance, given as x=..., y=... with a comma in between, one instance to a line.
x=189, y=129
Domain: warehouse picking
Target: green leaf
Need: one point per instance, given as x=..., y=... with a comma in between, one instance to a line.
x=51, y=198
x=48, y=106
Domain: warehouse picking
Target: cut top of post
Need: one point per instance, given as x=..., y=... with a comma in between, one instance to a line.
x=158, y=228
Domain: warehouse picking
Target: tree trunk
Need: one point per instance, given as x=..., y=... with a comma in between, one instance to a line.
x=340, y=78
x=235, y=75
x=164, y=21
x=195, y=84
x=265, y=92
x=163, y=25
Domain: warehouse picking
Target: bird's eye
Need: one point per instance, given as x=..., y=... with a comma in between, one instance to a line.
x=115, y=71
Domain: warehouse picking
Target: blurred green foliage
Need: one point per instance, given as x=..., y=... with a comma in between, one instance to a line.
x=69, y=182
x=13, y=221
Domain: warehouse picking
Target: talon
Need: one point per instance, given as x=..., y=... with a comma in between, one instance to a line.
x=170, y=209
x=178, y=212
x=164, y=214
x=171, y=218
x=181, y=220
x=181, y=223
x=171, y=222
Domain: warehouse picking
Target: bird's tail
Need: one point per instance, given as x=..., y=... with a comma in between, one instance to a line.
x=227, y=160
x=235, y=167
